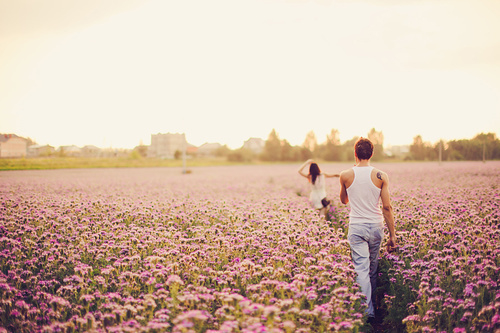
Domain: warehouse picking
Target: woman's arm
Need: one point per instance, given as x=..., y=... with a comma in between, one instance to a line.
x=301, y=169
x=331, y=175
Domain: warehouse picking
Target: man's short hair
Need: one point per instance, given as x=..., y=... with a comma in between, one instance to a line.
x=363, y=148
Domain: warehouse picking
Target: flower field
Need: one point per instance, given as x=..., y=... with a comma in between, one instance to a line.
x=237, y=249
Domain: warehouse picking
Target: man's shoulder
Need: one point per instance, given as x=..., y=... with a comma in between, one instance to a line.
x=347, y=173
x=380, y=174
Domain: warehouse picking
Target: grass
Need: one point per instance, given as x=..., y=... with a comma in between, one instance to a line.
x=111, y=162
x=57, y=162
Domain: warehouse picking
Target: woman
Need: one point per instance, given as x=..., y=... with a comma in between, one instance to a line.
x=317, y=197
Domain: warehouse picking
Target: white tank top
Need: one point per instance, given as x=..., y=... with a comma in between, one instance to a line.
x=318, y=191
x=364, y=198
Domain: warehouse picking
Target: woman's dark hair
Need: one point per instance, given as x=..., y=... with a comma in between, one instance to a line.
x=363, y=148
x=314, y=172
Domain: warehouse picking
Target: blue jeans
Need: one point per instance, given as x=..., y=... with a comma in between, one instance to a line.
x=365, y=240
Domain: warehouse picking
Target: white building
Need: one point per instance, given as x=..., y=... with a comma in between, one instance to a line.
x=397, y=151
x=40, y=150
x=71, y=150
x=91, y=151
x=12, y=145
x=165, y=145
x=255, y=145
x=208, y=149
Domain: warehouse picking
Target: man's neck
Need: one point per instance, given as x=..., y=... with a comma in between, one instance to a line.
x=362, y=163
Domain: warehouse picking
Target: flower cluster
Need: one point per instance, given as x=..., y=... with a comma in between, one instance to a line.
x=445, y=277
x=218, y=250
x=238, y=249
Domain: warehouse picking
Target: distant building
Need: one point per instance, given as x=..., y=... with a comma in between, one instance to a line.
x=255, y=145
x=397, y=151
x=40, y=150
x=191, y=149
x=91, y=151
x=208, y=149
x=12, y=145
x=114, y=152
x=165, y=145
x=72, y=151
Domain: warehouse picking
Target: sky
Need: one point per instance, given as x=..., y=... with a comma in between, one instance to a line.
x=112, y=73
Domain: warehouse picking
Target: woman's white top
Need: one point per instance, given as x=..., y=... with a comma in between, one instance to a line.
x=364, y=198
x=318, y=192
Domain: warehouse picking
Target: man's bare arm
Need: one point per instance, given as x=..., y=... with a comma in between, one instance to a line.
x=343, y=190
x=388, y=212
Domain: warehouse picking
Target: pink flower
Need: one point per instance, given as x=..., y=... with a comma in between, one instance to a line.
x=174, y=279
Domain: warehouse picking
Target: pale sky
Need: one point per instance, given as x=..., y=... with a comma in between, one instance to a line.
x=111, y=73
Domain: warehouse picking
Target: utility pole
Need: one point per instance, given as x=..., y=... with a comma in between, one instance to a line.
x=484, y=152
x=184, y=171
x=440, y=151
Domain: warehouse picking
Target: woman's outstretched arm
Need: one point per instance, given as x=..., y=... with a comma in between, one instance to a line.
x=301, y=169
x=331, y=175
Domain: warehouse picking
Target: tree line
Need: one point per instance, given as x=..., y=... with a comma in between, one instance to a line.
x=481, y=147
x=484, y=146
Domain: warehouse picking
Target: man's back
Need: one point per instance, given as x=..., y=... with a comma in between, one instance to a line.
x=364, y=196
x=347, y=177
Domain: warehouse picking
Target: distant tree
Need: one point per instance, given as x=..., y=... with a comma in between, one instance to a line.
x=458, y=150
x=490, y=145
x=240, y=155
x=348, y=147
x=332, y=148
x=304, y=154
x=482, y=146
x=135, y=155
x=334, y=137
x=142, y=150
x=61, y=152
x=423, y=151
x=486, y=137
x=223, y=151
x=30, y=142
x=272, y=147
x=431, y=151
x=177, y=154
x=417, y=148
x=287, y=152
x=310, y=142
x=377, y=138
x=440, y=148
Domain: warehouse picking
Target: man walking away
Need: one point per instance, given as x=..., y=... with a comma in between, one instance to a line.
x=363, y=187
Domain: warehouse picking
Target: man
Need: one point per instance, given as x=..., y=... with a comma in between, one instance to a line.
x=363, y=187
